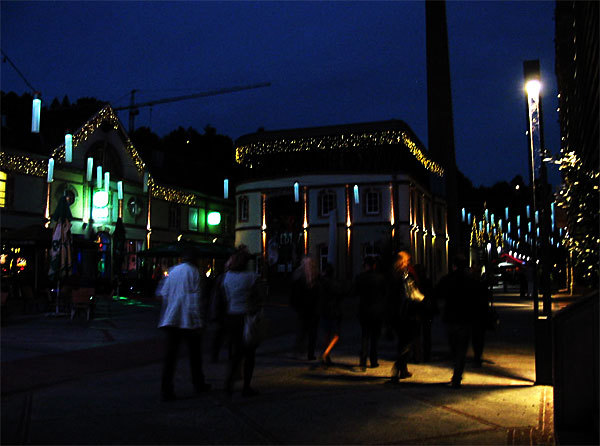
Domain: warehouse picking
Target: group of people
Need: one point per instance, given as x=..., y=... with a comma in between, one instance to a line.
x=400, y=302
x=186, y=311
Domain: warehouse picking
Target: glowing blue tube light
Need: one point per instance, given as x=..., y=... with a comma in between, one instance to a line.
x=68, y=147
x=529, y=227
x=50, y=170
x=492, y=219
x=508, y=227
x=463, y=214
x=35, y=114
x=90, y=169
x=469, y=218
x=296, y=192
x=107, y=182
x=356, y=194
x=120, y=190
x=226, y=188
x=528, y=212
x=486, y=215
x=99, y=177
x=519, y=221
x=536, y=217
x=506, y=213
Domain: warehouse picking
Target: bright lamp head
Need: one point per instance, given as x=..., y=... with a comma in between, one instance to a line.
x=533, y=87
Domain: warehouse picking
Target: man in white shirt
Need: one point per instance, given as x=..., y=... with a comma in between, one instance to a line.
x=183, y=318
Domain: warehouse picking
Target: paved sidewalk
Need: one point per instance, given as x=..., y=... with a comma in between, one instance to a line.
x=108, y=394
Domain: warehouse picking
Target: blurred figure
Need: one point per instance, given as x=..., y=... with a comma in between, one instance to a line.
x=459, y=291
x=218, y=313
x=182, y=319
x=239, y=287
x=481, y=310
x=403, y=312
x=305, y=300
x=331, y=310
x=427, y=311
x=370, y=287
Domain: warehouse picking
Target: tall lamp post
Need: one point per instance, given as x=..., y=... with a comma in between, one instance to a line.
x=539, y=202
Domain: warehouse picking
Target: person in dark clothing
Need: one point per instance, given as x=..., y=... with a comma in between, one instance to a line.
x=481, y=311
x=304, y=300
x=459, y=291
x=331, y=310
x=402, y=313
x=370, y=287
x=428, y=310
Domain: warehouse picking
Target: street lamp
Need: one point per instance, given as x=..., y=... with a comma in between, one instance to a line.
x=539, y=192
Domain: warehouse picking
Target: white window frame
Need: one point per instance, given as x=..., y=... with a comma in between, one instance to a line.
x=369, y=193
x=243, y=208
x=331, y=197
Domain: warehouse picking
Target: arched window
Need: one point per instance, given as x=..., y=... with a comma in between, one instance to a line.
x=327, y=202
x=243, y=210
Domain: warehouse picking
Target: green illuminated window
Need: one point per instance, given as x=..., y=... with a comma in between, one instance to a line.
x=2, y=189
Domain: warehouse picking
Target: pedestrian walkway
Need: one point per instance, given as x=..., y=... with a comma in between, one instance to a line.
x=108, y=394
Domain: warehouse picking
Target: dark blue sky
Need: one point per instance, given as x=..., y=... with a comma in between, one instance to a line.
x=329, y=63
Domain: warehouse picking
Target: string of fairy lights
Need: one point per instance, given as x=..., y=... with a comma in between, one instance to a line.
x=355, y=141
x=513, y=233
x=579, y=197
x=39, y=167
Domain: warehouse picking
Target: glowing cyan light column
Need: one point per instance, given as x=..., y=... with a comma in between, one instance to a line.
x=226, y=188
x=296, y=192
x=36, y=109
x=120, y=197
x=68, y=147
x=356, y=194
x=50, y=177
x=107, y=182
x=99, y=177
x=90, y=170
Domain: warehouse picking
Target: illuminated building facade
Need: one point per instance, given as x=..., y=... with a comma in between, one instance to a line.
x=357, y=190
x=107, y=179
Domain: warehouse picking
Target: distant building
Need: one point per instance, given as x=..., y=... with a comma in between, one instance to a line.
x=338, y=194
x=152, y=212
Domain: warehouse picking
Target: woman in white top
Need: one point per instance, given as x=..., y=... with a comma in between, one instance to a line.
x=239, y=288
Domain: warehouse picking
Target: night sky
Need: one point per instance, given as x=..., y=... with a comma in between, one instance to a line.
x=329, y=63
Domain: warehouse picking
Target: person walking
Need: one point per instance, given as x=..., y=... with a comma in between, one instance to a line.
x=370, y=287
x=403, y=309
x=239, y=286
x=459, y=290
x=304, y=300
x=182, y=320
x=481, y=311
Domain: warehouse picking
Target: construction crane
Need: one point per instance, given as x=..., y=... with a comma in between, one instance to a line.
x=134, y=108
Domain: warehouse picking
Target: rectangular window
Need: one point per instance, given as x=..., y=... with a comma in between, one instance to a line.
x=323, y=252
x=243, y=208
x=174, y=216
x=193, y=219
x=2, y=189
x=327, y=203
x=372, y=199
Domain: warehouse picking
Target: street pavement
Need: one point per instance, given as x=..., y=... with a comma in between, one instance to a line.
x=97, y=382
